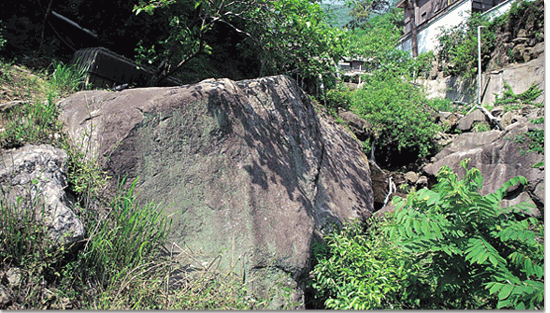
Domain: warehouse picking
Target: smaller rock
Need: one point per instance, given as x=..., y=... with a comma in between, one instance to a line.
x=411, y=177
x=537, y=50
x=518, y=52
x=465, y=123
x=14, y=276
x=497, y=111
x=422, y=182
x=510, y=118
x=5, y=298
x=358, y=125
x=40, y=172
x=520, y=40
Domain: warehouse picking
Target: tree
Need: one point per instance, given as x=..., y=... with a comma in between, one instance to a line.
x=411, y=6
x=287, y=36
x=363, y=10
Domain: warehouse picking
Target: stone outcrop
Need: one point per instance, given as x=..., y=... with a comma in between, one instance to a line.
x=38, y=175
x=520, y=77
x=249, y=169
x=499, y=157
x=358, y=125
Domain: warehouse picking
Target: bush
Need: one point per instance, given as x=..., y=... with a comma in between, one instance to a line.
x=458, y=46
x=446, y=248
x=339, y=97
x=397, y=111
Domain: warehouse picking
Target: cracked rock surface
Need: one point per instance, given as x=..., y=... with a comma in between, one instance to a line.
x=249, y=169
x=38, y=174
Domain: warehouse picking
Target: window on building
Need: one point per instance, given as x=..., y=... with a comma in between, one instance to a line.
x=423, y=18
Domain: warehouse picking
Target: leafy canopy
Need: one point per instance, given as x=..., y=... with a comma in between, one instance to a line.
x=286, y=36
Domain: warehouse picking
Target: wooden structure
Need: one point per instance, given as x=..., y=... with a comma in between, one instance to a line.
x=105, y=69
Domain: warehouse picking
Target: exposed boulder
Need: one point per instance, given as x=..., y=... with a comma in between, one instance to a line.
x=358, y=125
x=465, y=124
x=499, y=157
x=38, y=175
x=250, y=168
x=449, y=120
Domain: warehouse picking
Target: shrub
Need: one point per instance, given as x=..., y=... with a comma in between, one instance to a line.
x=339, y=97
x=397, y=111
x=446, y=248
x=458, y=46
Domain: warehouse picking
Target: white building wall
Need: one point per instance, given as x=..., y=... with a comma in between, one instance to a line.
x=427, y=37
x=499, y=9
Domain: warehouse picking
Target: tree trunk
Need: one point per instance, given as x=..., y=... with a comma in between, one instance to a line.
x=414, y=41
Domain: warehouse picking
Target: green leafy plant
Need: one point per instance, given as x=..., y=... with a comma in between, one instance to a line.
x=512, y=101
x=397, y=111
x=448, y=247
x=2, y=40
x=35, y=122
x=458, y=46
x=466, y=241
x=339, y=97
x=67, y=78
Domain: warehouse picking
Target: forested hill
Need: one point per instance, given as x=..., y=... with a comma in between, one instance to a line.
x=339, y=11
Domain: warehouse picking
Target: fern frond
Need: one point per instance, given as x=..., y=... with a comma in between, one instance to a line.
x=479, y=250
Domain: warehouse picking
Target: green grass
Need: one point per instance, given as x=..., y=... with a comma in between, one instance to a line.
x=123, y=262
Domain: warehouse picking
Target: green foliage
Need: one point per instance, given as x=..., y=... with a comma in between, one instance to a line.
x=339, y=97
x=67, y=78
x=26, y=245
x=2, y=39
x=361, y=270
x=126, y=237
x=362, y=11
x=375, y=41
x=447, y=248
x=35, y=122
x=442, y=104
x=337, y=14
x=422, y=64
x=458, y=46
x=511, y=101
x=396, y=109
x=287, y=37
x=466, y=240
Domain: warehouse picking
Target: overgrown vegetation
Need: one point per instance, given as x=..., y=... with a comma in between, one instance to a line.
x=448, y=247
x=458, y=44
x=122, y=263
x=510, y=101
x=445, y=248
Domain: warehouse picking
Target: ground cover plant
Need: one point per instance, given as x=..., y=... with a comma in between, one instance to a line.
x=445, y=248
x=122, y=263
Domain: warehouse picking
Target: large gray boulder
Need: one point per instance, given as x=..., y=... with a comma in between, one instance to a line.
x=499, y=156
x=38, y=175
x=249, y=169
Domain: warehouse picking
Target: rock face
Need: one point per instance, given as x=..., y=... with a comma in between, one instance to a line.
x=38, y=173
x=499, y=157
x=520, y=77
x=250, y=168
